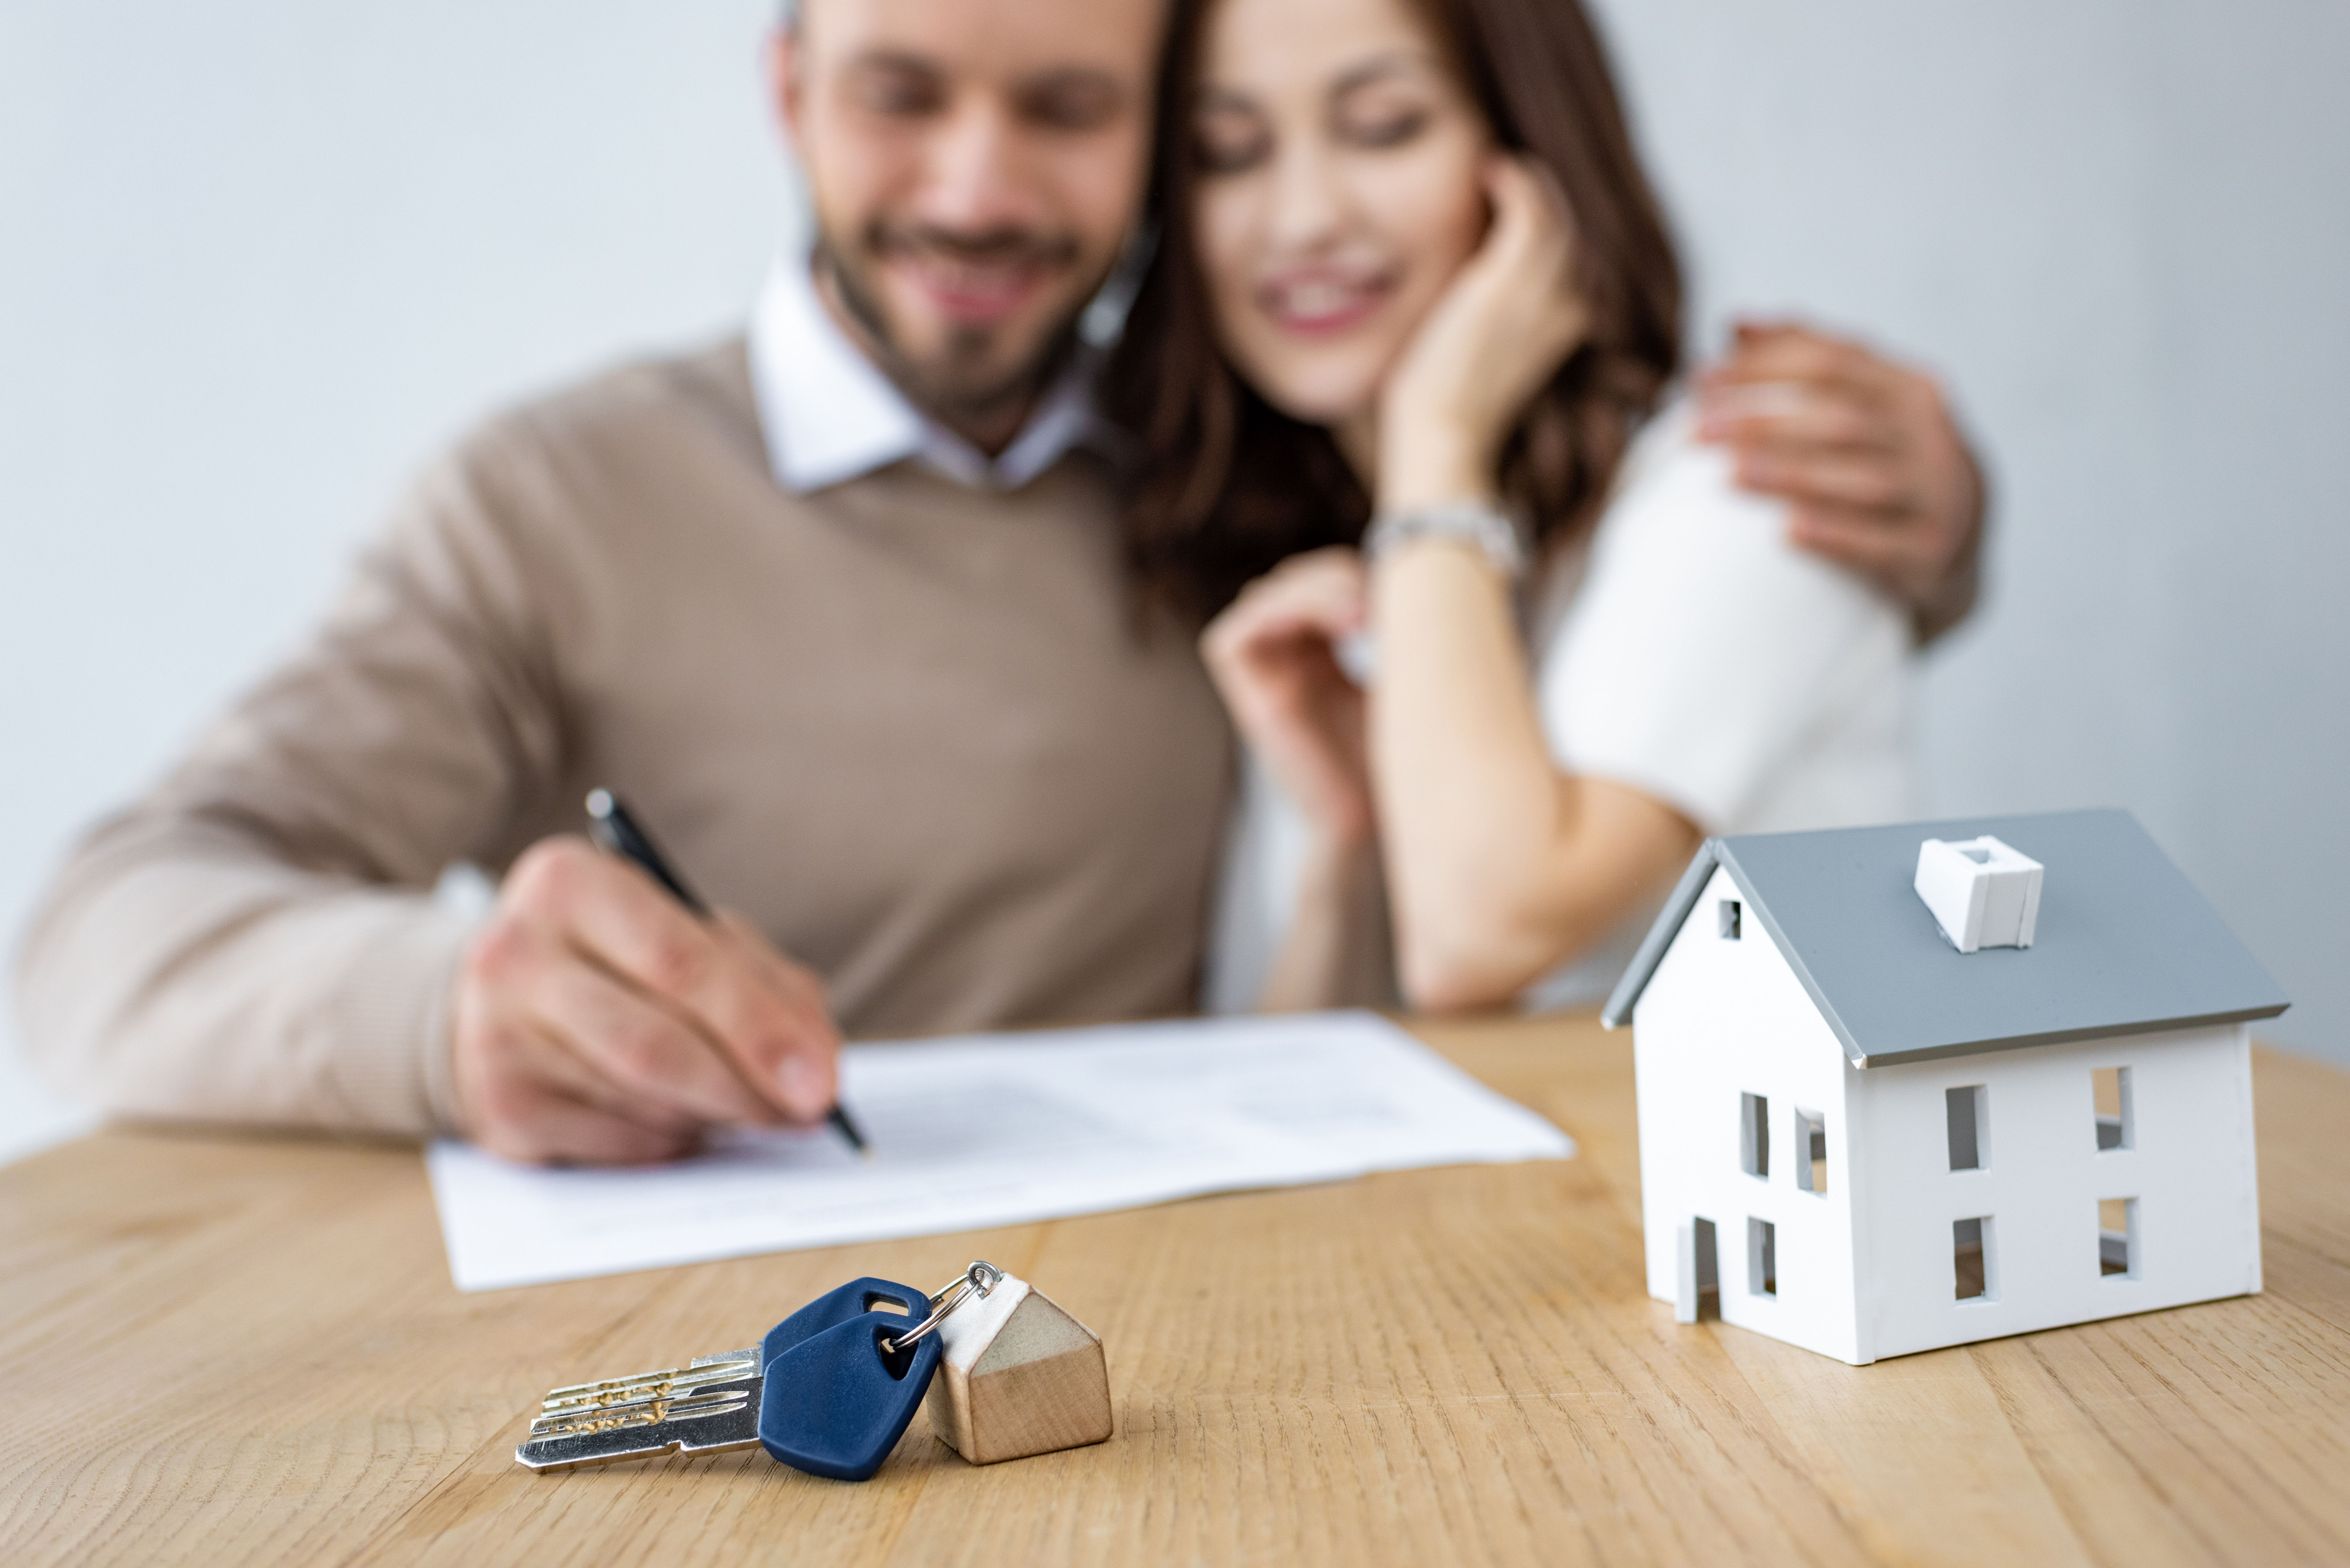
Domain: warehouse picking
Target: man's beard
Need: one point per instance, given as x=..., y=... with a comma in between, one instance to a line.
x=964, y=385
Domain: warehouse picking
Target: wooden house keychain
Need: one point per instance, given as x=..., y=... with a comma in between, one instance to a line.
x=832, y=1387
x=1017, y=1375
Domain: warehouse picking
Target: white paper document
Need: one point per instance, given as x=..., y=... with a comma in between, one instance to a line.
x=995, y=1129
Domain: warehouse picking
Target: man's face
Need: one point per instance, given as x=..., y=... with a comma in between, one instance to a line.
x=975, y=166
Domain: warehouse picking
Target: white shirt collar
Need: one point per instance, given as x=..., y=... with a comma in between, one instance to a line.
x=829, y=414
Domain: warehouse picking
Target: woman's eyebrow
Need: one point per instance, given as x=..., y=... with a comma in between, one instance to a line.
x=1379, y=67
x=1398, y=62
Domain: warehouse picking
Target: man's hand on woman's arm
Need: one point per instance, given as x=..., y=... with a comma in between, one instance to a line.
x=594, y=1020
x=1868, y=454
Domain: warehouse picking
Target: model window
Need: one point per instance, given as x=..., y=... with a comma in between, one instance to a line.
x=1812, y=1151
x=1967, y=1111
x=1729, y=916
x=1971, y=1260
x=1709, y=1271
x=1762, y=1257
x=1754, y=1135
x=2109, y=1089
x=2118, y=1237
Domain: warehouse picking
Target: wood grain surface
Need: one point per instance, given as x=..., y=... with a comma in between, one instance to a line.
x=223, y=1349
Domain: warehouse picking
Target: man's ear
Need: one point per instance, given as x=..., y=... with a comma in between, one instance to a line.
x=785, y=83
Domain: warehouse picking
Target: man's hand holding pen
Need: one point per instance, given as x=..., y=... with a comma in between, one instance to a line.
x=596, y=1018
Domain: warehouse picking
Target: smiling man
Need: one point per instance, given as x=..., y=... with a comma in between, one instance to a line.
x=973, y=177
x=840, y=607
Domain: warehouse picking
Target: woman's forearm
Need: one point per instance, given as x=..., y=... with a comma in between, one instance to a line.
x=1468, y=797
x=1501, y=865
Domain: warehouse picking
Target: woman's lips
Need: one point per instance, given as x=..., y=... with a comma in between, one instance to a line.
x=1319, y=305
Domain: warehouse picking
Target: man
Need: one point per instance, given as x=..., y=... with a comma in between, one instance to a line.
x=838, y=606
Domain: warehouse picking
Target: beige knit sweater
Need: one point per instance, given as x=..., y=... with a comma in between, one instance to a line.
x=916, y=731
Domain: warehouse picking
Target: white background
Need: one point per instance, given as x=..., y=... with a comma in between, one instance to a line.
x=258, y=258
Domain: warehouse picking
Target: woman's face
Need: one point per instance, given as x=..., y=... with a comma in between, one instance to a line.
x=1339, y=190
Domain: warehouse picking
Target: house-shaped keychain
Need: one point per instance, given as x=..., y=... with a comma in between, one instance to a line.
x=1910, y=1087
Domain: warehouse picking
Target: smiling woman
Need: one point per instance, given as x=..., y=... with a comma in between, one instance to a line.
x=1413, y=273
x=1327, y=178
x=1308, y=305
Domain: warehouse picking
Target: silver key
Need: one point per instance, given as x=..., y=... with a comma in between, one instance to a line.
x=708, y=1406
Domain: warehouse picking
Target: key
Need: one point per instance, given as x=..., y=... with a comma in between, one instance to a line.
x=838, y=1306
x=837, y=1402
x=708, y=1406
x=715, y=1403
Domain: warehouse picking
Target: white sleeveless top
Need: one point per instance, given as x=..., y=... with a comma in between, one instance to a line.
x=1686, y=649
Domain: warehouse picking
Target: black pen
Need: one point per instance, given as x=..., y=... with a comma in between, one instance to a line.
x=617, y=833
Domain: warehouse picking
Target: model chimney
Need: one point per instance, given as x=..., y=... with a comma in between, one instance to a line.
x=1983, y=893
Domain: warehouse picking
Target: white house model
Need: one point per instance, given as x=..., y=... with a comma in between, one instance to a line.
x=1903, y=1087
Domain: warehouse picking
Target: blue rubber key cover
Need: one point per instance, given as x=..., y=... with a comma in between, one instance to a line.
x=829, y=1311
x=836, y=1403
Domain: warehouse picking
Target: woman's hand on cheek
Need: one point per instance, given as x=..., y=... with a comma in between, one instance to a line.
x=1509, y=318
x=1273, y=657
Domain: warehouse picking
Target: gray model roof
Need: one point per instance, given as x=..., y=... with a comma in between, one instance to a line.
x=2124, y=943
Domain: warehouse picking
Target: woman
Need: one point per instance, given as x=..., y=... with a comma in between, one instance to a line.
x=1413, y=277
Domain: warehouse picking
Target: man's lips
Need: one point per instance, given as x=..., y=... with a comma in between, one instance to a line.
x=975, y=292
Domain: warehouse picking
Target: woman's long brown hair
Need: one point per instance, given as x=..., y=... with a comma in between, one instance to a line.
x=1227, y=485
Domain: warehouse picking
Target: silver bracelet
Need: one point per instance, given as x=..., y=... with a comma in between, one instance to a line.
x=1482, y=527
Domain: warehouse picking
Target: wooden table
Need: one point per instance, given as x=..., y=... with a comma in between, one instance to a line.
x=241, y=1350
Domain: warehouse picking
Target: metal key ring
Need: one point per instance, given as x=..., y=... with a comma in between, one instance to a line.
x=981, y=1277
